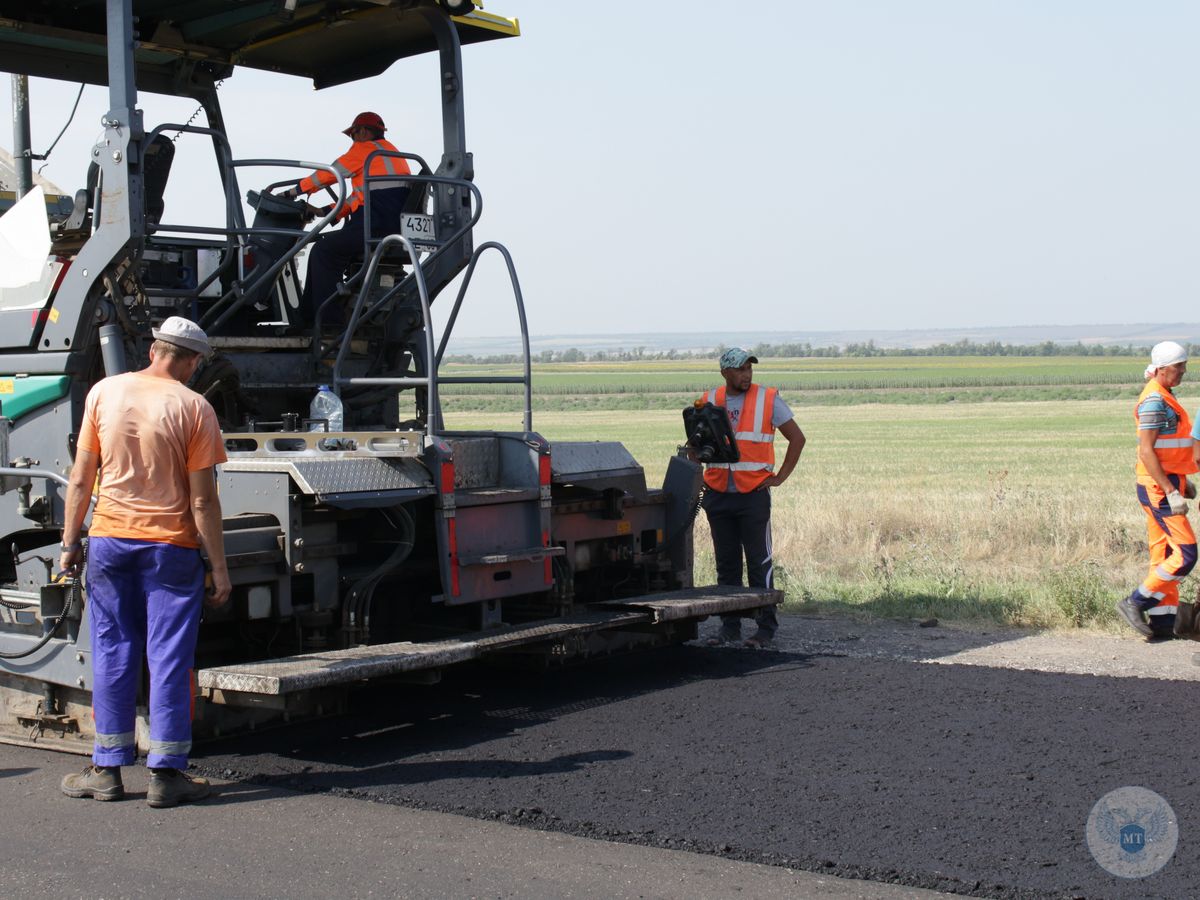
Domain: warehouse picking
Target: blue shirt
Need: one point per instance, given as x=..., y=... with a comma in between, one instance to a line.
x=1154, y=413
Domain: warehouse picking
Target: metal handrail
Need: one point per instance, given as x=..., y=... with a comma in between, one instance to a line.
x=387, y=176
x=234, y=220
x=236, y=223
x=430, y=380
x=442, y=247
x=309, y=236
x=34, y=473
x=527, y=379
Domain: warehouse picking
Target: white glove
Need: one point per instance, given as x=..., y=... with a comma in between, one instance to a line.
x=1178, y=505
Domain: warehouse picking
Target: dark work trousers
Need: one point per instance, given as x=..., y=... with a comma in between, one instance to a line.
x=741, y=529
x=334, y=251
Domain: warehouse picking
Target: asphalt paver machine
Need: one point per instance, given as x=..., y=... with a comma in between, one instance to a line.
x=389, y=548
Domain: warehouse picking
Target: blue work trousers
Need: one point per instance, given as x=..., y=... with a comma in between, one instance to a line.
x=741, y=530
x=143, y=595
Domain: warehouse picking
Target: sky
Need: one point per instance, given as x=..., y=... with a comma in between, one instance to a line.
x=845, y=164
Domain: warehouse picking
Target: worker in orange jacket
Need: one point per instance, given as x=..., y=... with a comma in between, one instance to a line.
x=737, y=498
x=335, y=251
x=1164, y=460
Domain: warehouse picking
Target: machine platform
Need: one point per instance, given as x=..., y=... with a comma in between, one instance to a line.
x=234, y=685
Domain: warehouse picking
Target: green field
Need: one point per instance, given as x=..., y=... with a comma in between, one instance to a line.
x=825, y=382
x=1021, y=512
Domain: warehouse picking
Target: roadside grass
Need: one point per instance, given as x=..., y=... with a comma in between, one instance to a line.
x=1020, y=513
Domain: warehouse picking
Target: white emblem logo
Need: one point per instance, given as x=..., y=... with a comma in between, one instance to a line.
x=1132, y=832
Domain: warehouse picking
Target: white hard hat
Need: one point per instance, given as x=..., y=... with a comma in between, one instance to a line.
x=1167, y=353
x=183, y=333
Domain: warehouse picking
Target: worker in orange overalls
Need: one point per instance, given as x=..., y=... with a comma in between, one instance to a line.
x=738, y=495
x=1164, y=460
x=333, y=252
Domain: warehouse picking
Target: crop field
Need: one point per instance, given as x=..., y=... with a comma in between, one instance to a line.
x=1020, y=512
x=840, y=381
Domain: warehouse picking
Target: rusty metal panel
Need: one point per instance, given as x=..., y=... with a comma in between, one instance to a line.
x=699, y=602
x=324, y=669
x=314, y=670
x=597, y=465
x=476, y=462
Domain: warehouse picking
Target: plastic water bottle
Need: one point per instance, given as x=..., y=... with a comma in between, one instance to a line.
x=325, y=405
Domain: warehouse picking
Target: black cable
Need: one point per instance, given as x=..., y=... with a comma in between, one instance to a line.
x=684, y=528
x=72, y=598
x=70, y=118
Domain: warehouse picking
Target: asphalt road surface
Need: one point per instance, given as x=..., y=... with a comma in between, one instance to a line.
x=966, y=779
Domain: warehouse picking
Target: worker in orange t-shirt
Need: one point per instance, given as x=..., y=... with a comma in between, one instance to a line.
x=154, y=444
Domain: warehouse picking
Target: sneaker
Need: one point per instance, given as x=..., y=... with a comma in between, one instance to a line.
x=760, y=640
x=1135, y=617
x=97, y=782
x=170, y=787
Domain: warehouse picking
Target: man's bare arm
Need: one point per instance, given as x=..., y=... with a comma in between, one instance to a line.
x=206, y=510
x=796, y=440
x=79, y=494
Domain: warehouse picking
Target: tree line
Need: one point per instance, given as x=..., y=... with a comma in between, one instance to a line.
x=806, y=349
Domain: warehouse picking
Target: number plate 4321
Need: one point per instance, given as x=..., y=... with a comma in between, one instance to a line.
x=418, y=228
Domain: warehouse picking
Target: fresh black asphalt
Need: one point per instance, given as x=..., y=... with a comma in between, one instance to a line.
x=957, y=778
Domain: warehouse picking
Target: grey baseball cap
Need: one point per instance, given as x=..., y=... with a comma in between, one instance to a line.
x=183, y=333
x=735, y=358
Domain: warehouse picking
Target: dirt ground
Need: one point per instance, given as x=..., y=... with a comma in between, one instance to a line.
x=951, y=759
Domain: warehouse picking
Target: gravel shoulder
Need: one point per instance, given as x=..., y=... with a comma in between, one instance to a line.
x=1066, y=652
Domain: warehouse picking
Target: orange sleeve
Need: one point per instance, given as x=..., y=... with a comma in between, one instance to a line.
x=348, y=164
x=89, y=439
x=206, y=448
x=316, y=181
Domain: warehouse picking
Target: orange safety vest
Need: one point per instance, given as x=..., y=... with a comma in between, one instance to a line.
x=351, y=164
x=755, y=442
x=1173, y=451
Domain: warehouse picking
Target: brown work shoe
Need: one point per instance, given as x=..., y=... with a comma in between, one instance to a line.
x=170, y=787
x=760, y=640
x=97, y=782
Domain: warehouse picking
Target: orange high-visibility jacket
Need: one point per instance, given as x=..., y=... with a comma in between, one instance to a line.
x=350, y=164
x=1173, y=451
x=755, y=441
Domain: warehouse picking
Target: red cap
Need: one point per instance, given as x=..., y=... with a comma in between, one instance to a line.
x=370, y=119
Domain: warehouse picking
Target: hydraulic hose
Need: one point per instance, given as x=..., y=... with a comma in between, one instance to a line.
x=73, y=597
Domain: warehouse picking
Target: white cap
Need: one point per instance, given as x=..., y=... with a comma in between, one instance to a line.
x=1166, y=353
x=183, y=333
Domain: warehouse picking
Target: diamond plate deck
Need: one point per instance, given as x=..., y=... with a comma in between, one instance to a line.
x=476, y=461
x=338, y=476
